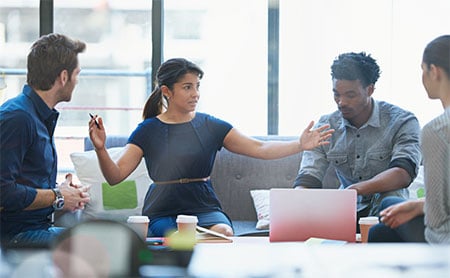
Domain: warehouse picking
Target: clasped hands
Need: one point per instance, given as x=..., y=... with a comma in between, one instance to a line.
x=75, y=196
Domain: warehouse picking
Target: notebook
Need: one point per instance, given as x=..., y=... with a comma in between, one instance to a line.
x=300, y=214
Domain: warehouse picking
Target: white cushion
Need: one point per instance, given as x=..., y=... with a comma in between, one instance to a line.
x=110, y=202
x=417, y=187
x=261, y=201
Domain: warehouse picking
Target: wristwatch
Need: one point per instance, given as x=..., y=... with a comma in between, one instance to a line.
x=58, y=204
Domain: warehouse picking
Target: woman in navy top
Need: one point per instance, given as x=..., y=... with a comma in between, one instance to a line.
x=179, y=146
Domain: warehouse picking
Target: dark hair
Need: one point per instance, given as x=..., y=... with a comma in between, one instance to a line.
x=356, y=66
x=169, y=73
x=437, y=52
x=50, y=55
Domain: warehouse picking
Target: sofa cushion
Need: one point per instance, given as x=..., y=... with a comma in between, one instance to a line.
x=110, y=202
x=261, y=201
x=417, y=187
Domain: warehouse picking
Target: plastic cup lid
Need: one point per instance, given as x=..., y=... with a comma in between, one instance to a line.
x=138, y=219
x=369, y=220
x=187, y=219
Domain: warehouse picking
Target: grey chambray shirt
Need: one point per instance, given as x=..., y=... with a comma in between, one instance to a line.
x=390, y=138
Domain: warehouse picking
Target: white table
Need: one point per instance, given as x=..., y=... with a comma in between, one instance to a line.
x=256, y=257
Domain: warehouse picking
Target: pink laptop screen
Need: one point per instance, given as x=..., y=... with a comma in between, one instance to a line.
x=299, y=214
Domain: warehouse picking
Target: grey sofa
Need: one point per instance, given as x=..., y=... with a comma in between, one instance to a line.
x=235, y=175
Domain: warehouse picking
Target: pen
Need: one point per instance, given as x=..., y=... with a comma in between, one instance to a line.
x=92, y=117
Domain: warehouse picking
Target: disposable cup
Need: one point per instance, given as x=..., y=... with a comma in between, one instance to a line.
x=187, y=224
x=139, y=224
x=364, y=225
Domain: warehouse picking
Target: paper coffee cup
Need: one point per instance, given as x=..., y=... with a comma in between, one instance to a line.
x=364, y=225
x=187, y=223
x=139, y=224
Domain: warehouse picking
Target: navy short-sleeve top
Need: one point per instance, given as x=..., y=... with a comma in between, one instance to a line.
x=175, y=151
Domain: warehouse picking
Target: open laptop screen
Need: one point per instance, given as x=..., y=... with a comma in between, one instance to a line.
x=299, y=214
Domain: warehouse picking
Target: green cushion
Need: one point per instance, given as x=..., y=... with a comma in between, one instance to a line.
x=120, y=196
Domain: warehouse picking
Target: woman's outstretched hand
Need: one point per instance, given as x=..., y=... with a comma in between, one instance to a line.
x=97, y=132
x=312, y=138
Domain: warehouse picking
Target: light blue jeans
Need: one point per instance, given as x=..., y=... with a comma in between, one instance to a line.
x=38, y=238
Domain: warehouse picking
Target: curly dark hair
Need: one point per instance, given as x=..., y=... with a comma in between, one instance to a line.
x=356, y=66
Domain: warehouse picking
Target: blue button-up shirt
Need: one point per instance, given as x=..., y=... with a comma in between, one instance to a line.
x=28, y=161
x=390, y=138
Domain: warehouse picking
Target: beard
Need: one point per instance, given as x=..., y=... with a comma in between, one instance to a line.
x=65, y=93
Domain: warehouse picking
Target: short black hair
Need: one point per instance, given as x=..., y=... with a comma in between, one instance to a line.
x=356, y=66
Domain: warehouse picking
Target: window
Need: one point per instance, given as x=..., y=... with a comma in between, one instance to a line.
x=229, y=40
x=313, y=33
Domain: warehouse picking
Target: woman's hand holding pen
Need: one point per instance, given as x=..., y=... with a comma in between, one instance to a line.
x=94, y=118
x=97, y=132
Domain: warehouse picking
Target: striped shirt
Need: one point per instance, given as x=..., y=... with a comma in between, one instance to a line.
x=435, y=143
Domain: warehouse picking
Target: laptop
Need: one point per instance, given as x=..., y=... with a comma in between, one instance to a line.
x=301, y=214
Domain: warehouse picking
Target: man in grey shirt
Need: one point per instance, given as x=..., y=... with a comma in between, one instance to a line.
x=375, y=147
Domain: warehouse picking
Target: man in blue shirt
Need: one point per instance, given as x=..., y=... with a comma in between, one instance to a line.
x=28, y=160
x=375, y=147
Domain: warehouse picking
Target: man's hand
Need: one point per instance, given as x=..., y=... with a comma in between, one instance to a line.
x=75, y=196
